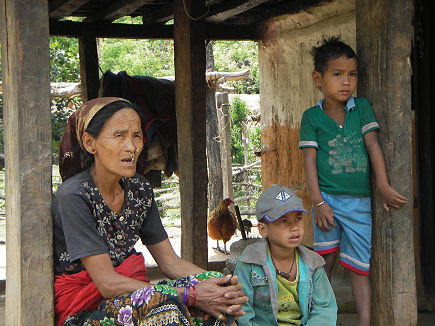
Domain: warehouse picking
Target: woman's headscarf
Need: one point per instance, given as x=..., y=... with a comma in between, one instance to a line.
x=71, y=160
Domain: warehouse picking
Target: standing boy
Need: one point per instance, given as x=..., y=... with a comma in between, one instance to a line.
x=284, y=281
x=338, y=136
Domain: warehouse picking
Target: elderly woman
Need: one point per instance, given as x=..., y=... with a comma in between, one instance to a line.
x=99, y=215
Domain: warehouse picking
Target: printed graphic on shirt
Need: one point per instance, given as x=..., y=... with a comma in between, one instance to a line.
x=346, y=154
x=290, y=313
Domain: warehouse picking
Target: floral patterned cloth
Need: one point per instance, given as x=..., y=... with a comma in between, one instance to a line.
x=153, y=305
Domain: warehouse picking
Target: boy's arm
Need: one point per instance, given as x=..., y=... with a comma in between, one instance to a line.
x=389, y=196
x=324, y=306
x=322, y=214
x=243, y=271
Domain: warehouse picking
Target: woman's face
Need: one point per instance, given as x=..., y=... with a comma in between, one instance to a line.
x=117, y=147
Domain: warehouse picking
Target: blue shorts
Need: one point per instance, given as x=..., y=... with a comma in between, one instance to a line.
x=352, y=232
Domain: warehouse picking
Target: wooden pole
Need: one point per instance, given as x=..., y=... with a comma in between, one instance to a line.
x=190, y=108
x=26, y=100
x=225, y=137
x=89, y=73
x=384, y=35
x=215, y=188
x=245, y=141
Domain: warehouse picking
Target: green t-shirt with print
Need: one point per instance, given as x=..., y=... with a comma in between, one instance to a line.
x=342, y=162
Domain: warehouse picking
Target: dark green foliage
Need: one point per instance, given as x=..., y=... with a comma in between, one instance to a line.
x=64, y=67
x=64, y=59
x=144, y=57
x=239, y=115
x=153, y=58
x=235, y=56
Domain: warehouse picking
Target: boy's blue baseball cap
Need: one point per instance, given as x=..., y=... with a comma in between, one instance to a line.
x=277, y=201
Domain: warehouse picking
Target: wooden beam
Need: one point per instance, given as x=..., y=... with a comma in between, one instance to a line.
x=116, y=10
x=26, y=102
x=89, y=73
x=191, y=132
x=232, y=32
x=113, y=30
x=384, y=36
x=284, y=8
x=232, y=8
x=224, y=123
x=63, y=8
x=160, y=15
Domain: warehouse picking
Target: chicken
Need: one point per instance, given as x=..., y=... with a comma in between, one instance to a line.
x=222, y=223
x=247, y=225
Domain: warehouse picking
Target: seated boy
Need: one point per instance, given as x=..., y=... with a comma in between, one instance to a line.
x=284, y=281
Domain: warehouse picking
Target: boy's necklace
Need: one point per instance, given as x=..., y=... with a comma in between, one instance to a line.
x=283, y=274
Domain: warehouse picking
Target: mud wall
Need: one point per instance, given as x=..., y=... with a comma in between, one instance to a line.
x=287, y=90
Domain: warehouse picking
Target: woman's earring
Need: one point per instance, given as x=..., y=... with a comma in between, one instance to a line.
x=137, y=150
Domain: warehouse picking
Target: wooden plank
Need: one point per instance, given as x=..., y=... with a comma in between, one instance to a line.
x=113, y=30
x=215, y=190
x=116, y=10
x=283, y=8
x=26, y=102
x=232, y=32
x=232, y=8
x=159, y=15
x=63, y=8
x=224, y=123
x=89, y=74
x=384, y=34
x=191, y=131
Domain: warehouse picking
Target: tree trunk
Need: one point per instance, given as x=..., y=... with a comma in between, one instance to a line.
x=215, y=188
x=225, y=137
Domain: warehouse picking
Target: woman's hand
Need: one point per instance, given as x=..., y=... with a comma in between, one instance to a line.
x=216, y=299
x=323, y=216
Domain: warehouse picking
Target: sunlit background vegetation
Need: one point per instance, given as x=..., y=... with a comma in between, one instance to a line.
x=153, y=58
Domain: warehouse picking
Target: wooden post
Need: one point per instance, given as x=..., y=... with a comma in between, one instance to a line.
x=384, y=35
x=245, y=141
x=215, y=190
x=225, y=137
x=191, y=130
x=88, y=63
x=26, y=100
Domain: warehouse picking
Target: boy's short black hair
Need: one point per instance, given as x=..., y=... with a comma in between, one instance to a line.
x=264, y=221
x=330, y=49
